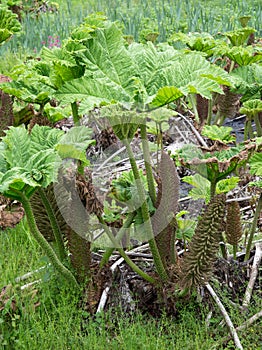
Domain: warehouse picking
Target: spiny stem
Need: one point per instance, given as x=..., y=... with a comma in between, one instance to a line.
x=55, y=226
x=209, y=114
x=146, y=217
x=258, y=125
x=194, y=107
x=213, y=185
x=109, y=251
x=248, y=132
x=133, y=266
x=253, y=227
x=64, y=272
x=75, y=113
x=149, y=173
x=232, y=65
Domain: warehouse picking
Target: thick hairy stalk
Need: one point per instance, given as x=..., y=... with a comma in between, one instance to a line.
x=54, y=224
x=48, y=250
x=109, y=251
x=146, y=217
x=197, y=265
x=133, y=266
x=233, y=225
x=248, y=132
x=192, y=99
x=149, y=173
x=75, y=113
x=213, y=185
x=253, y=227
x=258, y=125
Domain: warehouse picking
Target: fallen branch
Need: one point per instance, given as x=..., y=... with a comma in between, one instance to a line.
x=194, y=130
x=105, y=293
x=244, y=325
x=30, y=284
x=253, y=275
x=30, y=274
x=248, y=322
x=228, y=321
x=113, y=268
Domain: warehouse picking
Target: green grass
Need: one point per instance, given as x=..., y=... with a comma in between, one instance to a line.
x=59, y=323
x=19, y=252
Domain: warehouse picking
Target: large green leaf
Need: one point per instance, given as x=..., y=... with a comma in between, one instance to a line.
x=256, y=164
x=74, y=143
x=152, y=64
x=78, y=136
x=243, y=56
x=9, y=24
x=29, y=89
x=92, y=92
x=140, y=74
x=251, y=107
x=239, y=36
x=44, y=137
x=16, y=179
x=44, y=166
x=17, y=150
x=166, y=95
x=40, y=170
x=221, y=133
x=248, y=81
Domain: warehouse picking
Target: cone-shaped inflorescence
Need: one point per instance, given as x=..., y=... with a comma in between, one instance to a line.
x=163, y=221
x=233, y=223
x=202, y=108
x=6, y=108
x=228, y=104
x=197, y=265
x=41, y=215
x=79, y=244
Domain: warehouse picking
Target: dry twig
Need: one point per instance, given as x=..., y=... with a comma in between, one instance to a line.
x=253, y=275
x=244, y=325
x=228, y=321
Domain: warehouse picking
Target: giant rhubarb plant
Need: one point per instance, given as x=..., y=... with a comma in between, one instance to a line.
x=94, y=68
x=214, y=164
x=9, y=24
x=255, y=169
x=29, y=162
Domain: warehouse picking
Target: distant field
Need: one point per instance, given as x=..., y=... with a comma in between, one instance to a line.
x=163, y=16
